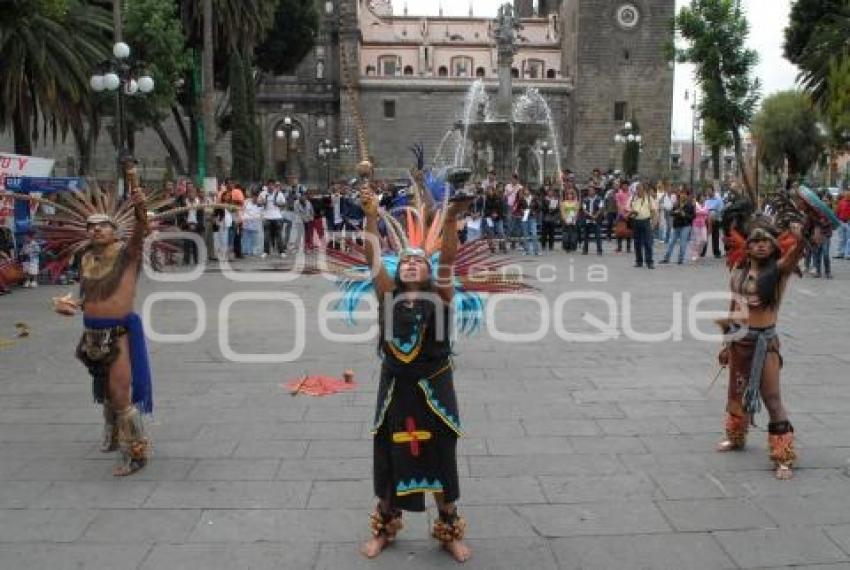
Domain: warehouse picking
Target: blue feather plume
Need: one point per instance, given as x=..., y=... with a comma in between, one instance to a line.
x=468, y=306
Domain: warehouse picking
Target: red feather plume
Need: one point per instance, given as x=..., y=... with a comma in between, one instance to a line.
x=787, y=241
x=736, y=248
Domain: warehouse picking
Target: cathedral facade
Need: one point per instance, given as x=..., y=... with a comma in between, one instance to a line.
x=598, y=63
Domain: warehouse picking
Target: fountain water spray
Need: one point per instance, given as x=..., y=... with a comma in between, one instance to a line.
x=474, y=97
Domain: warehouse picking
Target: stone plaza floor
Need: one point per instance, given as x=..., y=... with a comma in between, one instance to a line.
x=591, y=455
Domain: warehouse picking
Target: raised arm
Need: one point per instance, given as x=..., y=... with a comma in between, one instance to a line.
x=383, y=283
x=448, y=250
x=791, y=259
x=140, y=228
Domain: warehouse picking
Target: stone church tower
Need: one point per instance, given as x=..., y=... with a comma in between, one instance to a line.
x=614, y=49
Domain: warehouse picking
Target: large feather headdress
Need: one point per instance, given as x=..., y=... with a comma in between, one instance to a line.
x=417, y=229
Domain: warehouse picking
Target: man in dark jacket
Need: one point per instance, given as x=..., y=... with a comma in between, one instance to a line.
x=592, y=216
x=683, y=217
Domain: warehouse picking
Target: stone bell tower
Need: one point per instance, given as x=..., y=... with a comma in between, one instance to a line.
x=615, y=51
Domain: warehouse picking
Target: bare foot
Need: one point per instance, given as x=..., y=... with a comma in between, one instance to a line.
x=129, y=468
x=374, y=546
x=727, y=445
x=459, y=550
x=784, y=472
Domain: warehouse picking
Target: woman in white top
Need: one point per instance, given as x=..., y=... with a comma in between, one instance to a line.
x=252, y=226
x=222, y=220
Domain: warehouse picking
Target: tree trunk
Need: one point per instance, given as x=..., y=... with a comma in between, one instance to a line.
x=171, y=149
x=181, y=130
x=83, y=142
x=209, y=94
x=715, y=162
x=21, y=134
x=739, y=156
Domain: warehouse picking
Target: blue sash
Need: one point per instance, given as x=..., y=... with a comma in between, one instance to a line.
x=139, y=364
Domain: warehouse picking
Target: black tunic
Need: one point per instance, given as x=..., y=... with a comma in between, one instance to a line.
x=416, y=421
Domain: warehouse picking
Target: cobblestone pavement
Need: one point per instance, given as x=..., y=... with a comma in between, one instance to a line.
x=577, y=455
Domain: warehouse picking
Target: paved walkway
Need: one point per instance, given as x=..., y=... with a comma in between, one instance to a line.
x=577, y=455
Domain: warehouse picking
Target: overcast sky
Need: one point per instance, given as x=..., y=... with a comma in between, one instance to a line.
x=767, y=19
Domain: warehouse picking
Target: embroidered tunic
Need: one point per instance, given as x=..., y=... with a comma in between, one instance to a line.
x=416, y=421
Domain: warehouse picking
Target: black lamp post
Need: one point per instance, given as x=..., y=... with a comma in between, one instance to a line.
x=628, y=135
x=290, y=134
x=694, y=123
x=326, y=152
x=545, y=152
x=127, y=78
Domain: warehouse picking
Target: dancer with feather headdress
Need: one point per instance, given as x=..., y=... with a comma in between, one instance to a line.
x=427, y=286
x=762, y=254
x=108, y=238
x=112, y=346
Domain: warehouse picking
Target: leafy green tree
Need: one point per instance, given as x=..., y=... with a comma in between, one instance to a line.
x=291, y=36
x=828, y=47
x=717, y=138
x=787, y=130
x=48, y=49
x=239, y=25
x=806, y=17
x=715, y=32
x=241, y=133
x=154, y=30
x=837, y=111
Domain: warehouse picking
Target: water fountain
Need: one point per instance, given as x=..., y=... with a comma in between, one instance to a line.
x=507, y=129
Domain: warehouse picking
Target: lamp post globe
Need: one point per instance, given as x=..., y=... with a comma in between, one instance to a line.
x=146, y=84
x=97, y=83
x=111, y=81
x=121, y=50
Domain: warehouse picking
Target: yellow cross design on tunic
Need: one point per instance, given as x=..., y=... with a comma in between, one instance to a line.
x=411, y=436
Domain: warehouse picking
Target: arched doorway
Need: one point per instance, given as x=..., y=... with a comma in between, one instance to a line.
x=287, y=147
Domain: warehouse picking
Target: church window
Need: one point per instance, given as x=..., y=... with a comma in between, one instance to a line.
x=389, y=109
x=480, y=72
x=620, y=108
x=408, y=70
x=461, y=66
x=320, y=69
x=389, y=65
x=550, y=74
x=534, y=68
x=443, y=71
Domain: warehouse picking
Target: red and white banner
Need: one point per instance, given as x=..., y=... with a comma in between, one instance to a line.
x=19, y=165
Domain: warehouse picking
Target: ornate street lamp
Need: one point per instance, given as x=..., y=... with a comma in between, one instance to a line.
x=290, y=134
x=126, y=78
x=545, y=152
x=326, y=152
x=628, y=135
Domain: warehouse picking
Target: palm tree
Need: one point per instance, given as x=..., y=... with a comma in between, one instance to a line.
x=828, y=46
x=238, y=26
x=47, y=53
